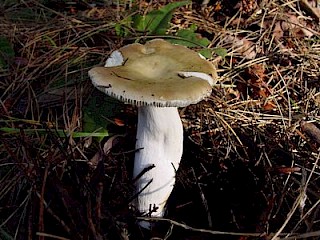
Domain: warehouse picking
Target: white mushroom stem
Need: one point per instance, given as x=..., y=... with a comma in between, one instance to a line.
x=159, y=143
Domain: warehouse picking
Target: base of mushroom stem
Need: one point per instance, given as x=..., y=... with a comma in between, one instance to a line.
x=146, y=224
x=151, y=225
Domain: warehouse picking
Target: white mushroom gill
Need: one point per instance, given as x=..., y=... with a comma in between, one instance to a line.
x=203, y=76
x=115, y=59
x=159, y=144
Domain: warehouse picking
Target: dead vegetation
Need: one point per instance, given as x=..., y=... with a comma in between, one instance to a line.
x=250, y=164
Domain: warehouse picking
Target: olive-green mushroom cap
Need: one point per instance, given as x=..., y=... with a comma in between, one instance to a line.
x=157, y=74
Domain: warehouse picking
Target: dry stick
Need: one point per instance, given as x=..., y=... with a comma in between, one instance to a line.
x=4, y=222
x=290, y=214
x=41, y=234
x=13, y=154
x=48, y=209
x=30, y=222
x=204, y=200
x=303, y=235
x=306, y=184
x=64, y=194
x=288, y=99
x=310, y=10
x=41, y=207
x=184, y=226
x=169, y=232
x=92, y=227
x=98, y=203
x=226, y=124
x=298, y=201
x=146, y=169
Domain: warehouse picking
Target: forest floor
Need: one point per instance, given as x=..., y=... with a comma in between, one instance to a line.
x=249, y=169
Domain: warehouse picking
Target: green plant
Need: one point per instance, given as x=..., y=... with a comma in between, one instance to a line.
x=189, y=38
x=123, y=27
x=96, y=122
x=156, y=22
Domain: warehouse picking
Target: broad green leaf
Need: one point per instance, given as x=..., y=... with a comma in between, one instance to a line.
x=189, y=38
x=122, y=27
x=92, y=125
x=222, y=52
x=99, y=112
x=157, y=21
x=206, y=52
x=119, y=30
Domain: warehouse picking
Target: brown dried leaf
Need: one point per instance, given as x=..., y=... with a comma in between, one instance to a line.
x=269, y=106
x=94, y=161
x=311, y=130
x=294, y=24
x=111, y=142
x=255, y=76
x=242, y=46
x=291, y=24
x=288, y=170
x=119, y=122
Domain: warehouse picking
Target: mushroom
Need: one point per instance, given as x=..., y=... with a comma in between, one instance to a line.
x=157, y=77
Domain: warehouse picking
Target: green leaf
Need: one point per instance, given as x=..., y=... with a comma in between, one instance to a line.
x=122, y=27
x=59, y=132
x=206, y=52
x=222, y=52
x=6, y=52
x=157, y=21
x=98, y=113
x=118, y=28
x=189, y=38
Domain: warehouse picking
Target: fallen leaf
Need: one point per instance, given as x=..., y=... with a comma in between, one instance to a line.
x=288, y=170
x=255, y=75
x=311, y=130
x=242, y=46
x=269, y=106
x=291, y=25
x=111, y=142
x=119, y=122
